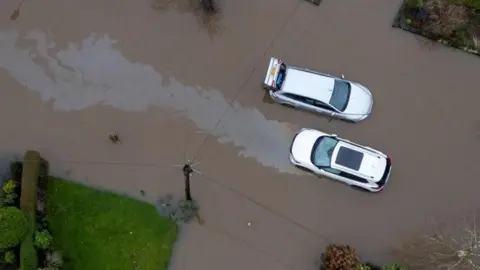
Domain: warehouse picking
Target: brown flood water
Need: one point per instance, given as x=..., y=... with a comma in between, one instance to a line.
x=77, y=70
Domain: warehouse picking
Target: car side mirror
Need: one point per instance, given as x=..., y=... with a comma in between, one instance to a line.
x=343, y=76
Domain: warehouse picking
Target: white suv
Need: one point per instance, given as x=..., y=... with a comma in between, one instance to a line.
x=339, y=159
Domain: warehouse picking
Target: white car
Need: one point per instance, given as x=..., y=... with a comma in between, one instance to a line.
x=339, y=159
x=317, y=92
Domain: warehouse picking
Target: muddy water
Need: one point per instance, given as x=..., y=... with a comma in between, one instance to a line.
x=135, y=70
x=94, y=73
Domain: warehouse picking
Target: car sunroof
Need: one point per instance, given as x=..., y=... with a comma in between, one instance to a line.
x=349, y=158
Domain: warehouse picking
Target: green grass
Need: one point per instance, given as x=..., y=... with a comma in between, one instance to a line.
x=104, y=231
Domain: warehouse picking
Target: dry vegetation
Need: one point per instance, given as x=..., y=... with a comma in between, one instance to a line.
x=445, y=18
x=449, y=247
x=453, y=22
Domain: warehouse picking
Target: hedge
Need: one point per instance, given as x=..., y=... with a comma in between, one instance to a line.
x=28, y=202
x=30, y=173
x=13, y=227
x=28, y=253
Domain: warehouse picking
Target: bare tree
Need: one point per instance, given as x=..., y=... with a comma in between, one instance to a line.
x=450, y=247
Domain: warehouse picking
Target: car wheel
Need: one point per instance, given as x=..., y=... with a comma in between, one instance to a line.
x=288, y=105
x=349, y=121
x=304, y=169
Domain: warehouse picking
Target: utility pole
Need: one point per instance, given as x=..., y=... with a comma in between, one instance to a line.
x=187, y=172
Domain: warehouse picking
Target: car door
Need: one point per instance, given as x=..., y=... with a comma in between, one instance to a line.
x=317, y=107
x=296, y=101
x=323, y=108
x=333, y=174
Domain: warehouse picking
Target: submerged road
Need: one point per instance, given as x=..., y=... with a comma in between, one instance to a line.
x=75, y=71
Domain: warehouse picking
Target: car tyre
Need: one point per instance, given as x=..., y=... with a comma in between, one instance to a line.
x=288, y=106
x=349, y=121
x=303, y=169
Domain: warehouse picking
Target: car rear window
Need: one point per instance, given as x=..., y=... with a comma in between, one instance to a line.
x=349, y=158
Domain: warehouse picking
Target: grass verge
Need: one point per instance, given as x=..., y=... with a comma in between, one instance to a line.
x=101, y=230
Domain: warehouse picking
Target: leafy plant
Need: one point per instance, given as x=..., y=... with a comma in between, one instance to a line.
x=340, y=257
x=9, y=257
x=9, y=186
x=43, y=239
x=393, y=267
x=364, y=267
x=13, y=227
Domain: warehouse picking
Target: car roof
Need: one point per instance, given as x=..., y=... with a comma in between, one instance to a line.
x=308, y=84
x=357, y=160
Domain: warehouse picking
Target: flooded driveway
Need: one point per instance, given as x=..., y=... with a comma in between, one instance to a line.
x=76, y=71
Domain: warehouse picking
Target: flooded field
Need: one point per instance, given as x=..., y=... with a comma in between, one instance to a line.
x=75, y=71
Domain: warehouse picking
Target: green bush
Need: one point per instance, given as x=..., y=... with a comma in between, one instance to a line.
x=43, y=239
x=13, y=227
x=9, y=186
x=9, y=257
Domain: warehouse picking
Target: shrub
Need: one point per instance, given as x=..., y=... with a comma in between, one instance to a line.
x=28, y=203
x=9, y=257
x=340, y=257
x=43, y=239
x=30, y=173
x=13, y=227
x=9, y=186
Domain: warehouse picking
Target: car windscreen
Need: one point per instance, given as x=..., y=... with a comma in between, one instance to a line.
x=323, y=150
x=281, y=76
x=349, y=158
x=340, y=95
